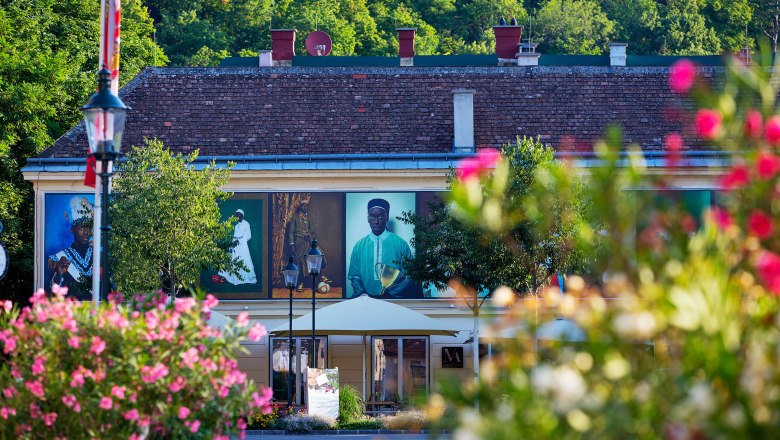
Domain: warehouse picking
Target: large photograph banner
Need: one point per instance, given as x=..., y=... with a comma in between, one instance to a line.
x=250, y=234
x=67, y=243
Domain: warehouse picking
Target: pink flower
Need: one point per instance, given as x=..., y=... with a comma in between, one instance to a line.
x=49, y=419
x=10, y=392
x=69, y=324
x=131, y=415
x=38, y=366
x=473, y=167
x=74, y=341
x=736, y=178
x=177, y=384
x=767, y=164
x=189, y=357
x=769, y=270
x=760, y=224
x=184, y=305
x=7, y=306
x=36, y=388
x=753, y=124
x=210, y=302
x=256, y=332
x=183, y=412
x=772, y=130
x=242, y=319
x=674, y=143
x=153, y=374
x=134, y=436
x=721, y=217
x=106, y=403
x=682, y=75
x=118, y=392
x=708, y=123
x=195, y=425
x=263, y=402
x=5, y=412
x=98, y=345
x=70, y=401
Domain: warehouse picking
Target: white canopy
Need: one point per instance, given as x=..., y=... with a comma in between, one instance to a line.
x=366, y=316
x=218, y=320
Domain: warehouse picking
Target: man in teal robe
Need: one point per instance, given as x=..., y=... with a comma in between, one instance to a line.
x=380, y=247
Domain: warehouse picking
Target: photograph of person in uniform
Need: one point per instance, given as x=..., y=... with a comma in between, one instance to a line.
x=69, y=254
x=375, y=263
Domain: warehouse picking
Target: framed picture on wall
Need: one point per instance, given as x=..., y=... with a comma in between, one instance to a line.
x=376, y=244
x=296, y=219
x=67, y=243
x=250, y=234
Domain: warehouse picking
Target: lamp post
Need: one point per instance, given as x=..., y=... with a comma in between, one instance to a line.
x=104, y=117
x=291, y=279
x=313, y=264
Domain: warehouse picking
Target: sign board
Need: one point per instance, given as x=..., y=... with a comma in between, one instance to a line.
x=452, y=357
x=322, y=387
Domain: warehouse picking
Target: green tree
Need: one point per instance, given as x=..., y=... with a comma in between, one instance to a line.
x=572, y=27
x=166, y=220
x=48, y=61
x=637, y=22
x=538, y=245
x=730, y=20
x=686, y=31
x=766, y=23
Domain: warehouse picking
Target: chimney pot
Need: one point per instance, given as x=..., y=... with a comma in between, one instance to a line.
x=406, y=45
x=266, y=58
x=463, y=121
x=283, y=46
x=507, y=39
x=617, y=54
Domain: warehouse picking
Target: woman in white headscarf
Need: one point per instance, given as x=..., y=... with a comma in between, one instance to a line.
x=242, y=233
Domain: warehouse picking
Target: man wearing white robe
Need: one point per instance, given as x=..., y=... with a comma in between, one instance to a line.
x=242, y=233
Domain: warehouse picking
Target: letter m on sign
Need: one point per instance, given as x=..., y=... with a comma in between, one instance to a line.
x=452, y=357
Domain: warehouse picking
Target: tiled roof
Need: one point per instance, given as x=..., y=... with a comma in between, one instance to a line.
x=311, y=110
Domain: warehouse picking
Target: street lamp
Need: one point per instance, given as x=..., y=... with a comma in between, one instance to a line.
x=291, y=279
x=104, y=117
x=313, y=264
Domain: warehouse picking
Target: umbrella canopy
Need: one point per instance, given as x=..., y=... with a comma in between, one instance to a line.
x=366, y=316
x=218, y=320
x=561, y=330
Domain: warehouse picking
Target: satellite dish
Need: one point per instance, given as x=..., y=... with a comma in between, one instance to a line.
x=318, y=44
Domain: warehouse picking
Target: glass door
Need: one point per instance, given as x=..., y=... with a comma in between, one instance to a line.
x=399, y=368
x=280, y=361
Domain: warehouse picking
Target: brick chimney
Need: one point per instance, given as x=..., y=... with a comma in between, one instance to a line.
x=283, y=46
x=507, y=40
x=617, y=54
x=463, y=121
x=406, y=45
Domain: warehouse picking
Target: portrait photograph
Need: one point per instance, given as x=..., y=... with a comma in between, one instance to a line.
x=67, y=243
x=297, y=218
x=376, y=244
x=249, y=238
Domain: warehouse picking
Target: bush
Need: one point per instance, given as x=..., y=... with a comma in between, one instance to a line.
x=307, y=423
x=266, y=420
x=351, y=404
x=122, y=370
x=363, y=422
x=413, y=420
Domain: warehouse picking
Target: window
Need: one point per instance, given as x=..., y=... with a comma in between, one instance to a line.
x=399, y=368
x=280, y=365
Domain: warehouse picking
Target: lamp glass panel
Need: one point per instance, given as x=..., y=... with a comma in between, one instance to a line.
x=290, y=277
x=313, y=263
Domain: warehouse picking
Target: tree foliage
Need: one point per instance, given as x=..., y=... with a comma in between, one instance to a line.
x=537, y=246
x=48, y=61
x=166, y=221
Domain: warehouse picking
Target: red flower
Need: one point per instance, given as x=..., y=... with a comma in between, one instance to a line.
x=674, y=143
x=682, y=75
x=760, y=224
x=772, y=130
x=708, y=123
x=735, y=179
x=769, y=270
x=767, y=164
x=753, y=124
x=721, y=217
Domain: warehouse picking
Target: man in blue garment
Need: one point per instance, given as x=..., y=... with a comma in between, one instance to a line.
x=378, y=252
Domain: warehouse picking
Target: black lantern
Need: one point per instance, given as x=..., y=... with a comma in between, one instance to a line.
x=104, y=117
x=290, y=279
x=314, y=263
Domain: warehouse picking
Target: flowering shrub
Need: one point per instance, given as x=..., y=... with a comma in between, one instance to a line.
x=707, y=298
x=304, y=423
x=268, y=419
x=148, y=368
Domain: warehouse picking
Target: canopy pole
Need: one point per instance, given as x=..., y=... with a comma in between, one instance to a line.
x=364, y=367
